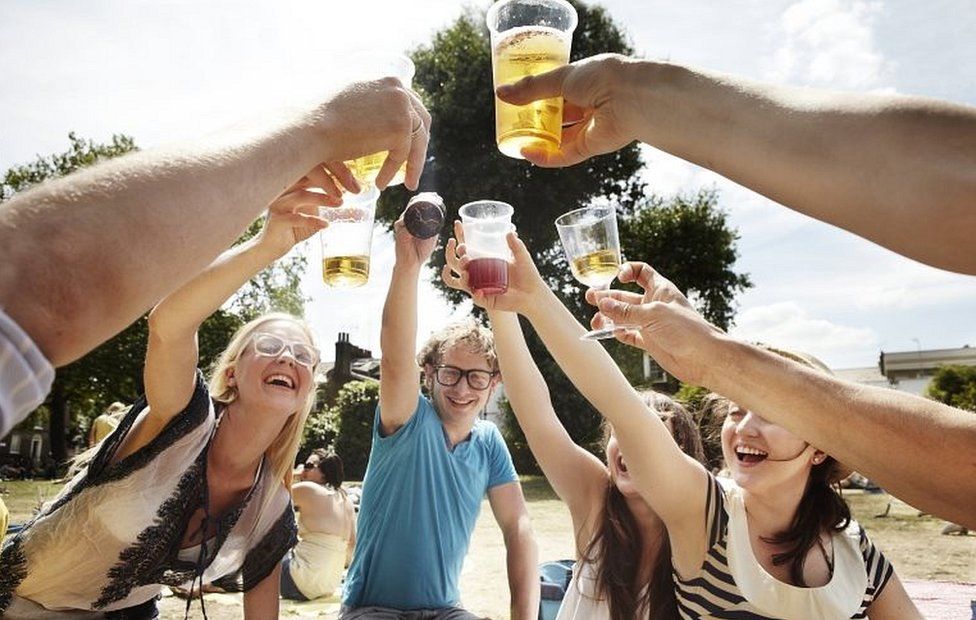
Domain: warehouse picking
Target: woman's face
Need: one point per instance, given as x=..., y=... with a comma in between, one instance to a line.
x=274, y=371
x=764, y=457
x=618, y=465
x=310, y=471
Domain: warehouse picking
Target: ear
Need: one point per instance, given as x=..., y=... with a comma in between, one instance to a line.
x=229, y=373
x=428, y=377
x=819, y=457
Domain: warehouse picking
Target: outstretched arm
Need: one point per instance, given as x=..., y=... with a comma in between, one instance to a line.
x=577, y=476
x=508, y=506
x=85, y=255
x=398, y=334
x=895, y=169
x=171, y=356
x=918, y=449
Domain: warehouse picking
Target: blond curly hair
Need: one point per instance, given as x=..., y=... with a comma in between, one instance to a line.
x=475, y=337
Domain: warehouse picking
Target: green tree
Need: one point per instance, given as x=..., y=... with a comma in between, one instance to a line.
x=113, y=371
x=955, y=386
x=353, y=415
x=454, y=78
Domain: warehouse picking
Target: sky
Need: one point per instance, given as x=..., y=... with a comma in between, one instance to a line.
x=168, y=71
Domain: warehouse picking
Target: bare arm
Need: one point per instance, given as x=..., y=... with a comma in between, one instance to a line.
x=919, y=450
x=261, y=601
x=508, y=506
x=398, y=335
x=85, y=255
x=898, y=170
x=893, y=603
x=171, y=356
x=577, y=476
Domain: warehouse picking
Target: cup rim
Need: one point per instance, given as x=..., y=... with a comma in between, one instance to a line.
x=508, y=215
x=610, y=210
x=497, y=6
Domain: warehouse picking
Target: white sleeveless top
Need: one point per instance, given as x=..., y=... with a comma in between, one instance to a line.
x=317, y=562
x=111, y=537
x=580, y=601
x=732, y=581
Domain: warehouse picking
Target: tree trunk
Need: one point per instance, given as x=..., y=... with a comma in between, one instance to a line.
x=59, y=422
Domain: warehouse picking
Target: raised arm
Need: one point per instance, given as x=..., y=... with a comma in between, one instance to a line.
x=919, y=450
x=895, y=169
x=671, y=482
x=577, y=476
x=171, y=356
x=86, y=255
x=522, y=552
x=399, y=374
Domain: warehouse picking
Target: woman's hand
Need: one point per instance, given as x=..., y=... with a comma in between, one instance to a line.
x=524, y=281
x=294, y=215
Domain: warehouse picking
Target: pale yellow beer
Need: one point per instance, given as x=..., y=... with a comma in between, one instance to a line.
x=366, y=168
x=596, y=269
x=345, y=271
x=516, y=53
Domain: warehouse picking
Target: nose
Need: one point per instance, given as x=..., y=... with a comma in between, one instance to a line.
x=749, y=424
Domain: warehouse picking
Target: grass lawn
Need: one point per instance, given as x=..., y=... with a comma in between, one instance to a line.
x=913, y=543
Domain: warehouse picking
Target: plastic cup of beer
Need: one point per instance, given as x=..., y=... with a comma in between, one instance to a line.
x=373, y=66
x=347, y=240
x=486, y=224
x=529, y=37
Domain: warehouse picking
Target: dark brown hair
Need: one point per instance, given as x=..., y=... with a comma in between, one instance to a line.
x=331, y=467
x=822, y=507
x=615, y=550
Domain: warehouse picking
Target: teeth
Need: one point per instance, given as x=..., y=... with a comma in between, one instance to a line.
x=750, y=450
x=282, y=378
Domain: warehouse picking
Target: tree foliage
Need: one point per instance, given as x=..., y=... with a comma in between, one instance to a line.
x=454, y=78
x=353, y=415
x=954, y=385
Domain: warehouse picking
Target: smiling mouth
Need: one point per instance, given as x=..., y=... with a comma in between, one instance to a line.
x=750, y=455
x=281, y=381
x=459, y=403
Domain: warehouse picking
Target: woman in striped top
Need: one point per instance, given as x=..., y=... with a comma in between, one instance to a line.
x=774, y=541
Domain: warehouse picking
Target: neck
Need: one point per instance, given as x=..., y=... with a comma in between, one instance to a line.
x=772, y=511
x=457, y=430
x=242, y=439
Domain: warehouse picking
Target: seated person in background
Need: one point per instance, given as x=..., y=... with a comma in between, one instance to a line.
x=326, y=529
x=106, y=422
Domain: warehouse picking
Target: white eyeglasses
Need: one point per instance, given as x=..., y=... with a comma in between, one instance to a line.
x=269, y=345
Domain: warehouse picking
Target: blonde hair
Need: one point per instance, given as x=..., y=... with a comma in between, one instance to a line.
x=283, y=450
x=476, y=338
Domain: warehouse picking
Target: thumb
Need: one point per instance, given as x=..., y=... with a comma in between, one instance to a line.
x=624, y=313
x=534, y=87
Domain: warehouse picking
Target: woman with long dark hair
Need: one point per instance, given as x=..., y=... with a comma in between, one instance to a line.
x=623, y=568
x=326, y=529
x=771, y=542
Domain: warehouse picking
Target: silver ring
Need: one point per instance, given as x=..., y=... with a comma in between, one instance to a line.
x=418, y=128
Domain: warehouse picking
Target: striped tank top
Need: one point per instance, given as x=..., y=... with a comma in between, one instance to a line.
x=732, y=584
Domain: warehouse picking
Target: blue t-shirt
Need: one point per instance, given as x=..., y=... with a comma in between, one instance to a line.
x=419, y=506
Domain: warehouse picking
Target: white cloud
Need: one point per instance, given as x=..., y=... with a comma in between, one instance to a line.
x=788, y=325
x=828, y=43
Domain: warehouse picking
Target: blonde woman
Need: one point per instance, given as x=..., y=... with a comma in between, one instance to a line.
x=193, y=484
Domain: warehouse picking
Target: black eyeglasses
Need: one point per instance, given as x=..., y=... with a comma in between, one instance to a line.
x=451, y=375
x=308, y=466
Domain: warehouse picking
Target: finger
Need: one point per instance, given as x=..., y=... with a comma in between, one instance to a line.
x=572, y=114
x=572, y=149
x=318, y=177
x=459, y=231
x=534, y=87
x=450, y=279
x=462, y=251
x=450, y=253
x=626, y=313
x=301, y=220
x=517, y=246
x=308, y=200
x=593, y=296
x=632, y=337
x=419, y=140
x=636, y=271
x=343, y=175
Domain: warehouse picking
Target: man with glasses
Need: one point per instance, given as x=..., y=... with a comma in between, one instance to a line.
x=431, y=464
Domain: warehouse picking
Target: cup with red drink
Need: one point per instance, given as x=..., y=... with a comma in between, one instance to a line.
x=486, y=224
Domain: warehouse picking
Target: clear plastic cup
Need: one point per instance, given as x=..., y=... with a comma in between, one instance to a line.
x=529, y=37
x=486, y=224
x=346, y=242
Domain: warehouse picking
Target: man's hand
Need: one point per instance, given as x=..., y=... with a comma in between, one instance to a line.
x=524, y=281
x=600, y=90
x=411, y=251
x=672, y=332
x=370, y=117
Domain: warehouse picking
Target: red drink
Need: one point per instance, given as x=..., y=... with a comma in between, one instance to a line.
x=488, y=276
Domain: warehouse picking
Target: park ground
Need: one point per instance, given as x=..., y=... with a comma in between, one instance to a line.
x=912, y=542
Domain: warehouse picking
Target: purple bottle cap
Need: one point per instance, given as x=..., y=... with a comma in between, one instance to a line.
x=424, y=215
